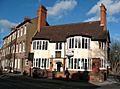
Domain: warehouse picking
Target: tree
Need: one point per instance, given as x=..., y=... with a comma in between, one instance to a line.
x=115, y=57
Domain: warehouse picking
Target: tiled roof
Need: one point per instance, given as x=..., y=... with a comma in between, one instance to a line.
x=61, y=32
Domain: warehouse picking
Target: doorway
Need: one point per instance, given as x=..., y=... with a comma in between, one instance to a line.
x=59, y=65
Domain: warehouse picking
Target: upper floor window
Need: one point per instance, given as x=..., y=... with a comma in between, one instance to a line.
x=58, y=46
x=25, y=29
x=23, y=46
x=17, y=48
x=79, y=42
x=34, y=45
x=18, y=33
x=20, y=47
x=40, y=45
x=102, y=45
x=21, y=31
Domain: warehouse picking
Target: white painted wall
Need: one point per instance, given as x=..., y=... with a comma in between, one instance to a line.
x=93, y=52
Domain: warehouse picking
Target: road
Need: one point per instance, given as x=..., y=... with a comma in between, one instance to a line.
x=22, y=82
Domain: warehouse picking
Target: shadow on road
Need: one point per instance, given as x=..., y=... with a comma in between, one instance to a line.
x=23, y=82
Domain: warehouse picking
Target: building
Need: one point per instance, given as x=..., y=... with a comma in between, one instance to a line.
x=17, y=45
x=77, y=47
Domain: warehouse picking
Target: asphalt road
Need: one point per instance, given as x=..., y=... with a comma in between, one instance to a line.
x=21, y=82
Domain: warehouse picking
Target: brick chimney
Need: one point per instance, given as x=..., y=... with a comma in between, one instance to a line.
x=41, y=14
x=103, y=16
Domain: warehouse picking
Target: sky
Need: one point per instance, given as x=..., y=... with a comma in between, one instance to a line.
x=12, y=13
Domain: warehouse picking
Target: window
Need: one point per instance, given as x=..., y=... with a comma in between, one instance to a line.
x=18, y=63
x=33, y=62
x=18, y=33
x=79, y=43
x=58, y=54
x=86, y=46
x=76, y=41
x=37, y=62
x=20, y=47
x=34, y=45
x=81, y=64
x=42, y=63
x=21, y=31
x=83, y=43
x=46, y=46
x=72, y=42
x=25, y=29
x=88, y=43
x=43, y=46
x=101, y=45
x=15, y=63
x=23, y=46
x=70, y=65
x=78, y=63
x=40, y=45
x=103, y=63
x=58, y=46
x=89, y=64
x=75, y=63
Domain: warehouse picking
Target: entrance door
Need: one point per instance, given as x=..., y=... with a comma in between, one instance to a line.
x=95, y=64
x=59, y=65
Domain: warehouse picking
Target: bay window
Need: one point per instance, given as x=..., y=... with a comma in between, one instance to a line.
x=78, y=42
x=79, y=63
x=42, y=63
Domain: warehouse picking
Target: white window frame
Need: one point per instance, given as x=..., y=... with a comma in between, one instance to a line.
x=40, y=63
x=78, y=66
x=40, y=45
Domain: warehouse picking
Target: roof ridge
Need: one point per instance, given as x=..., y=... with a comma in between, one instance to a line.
x=72, y=23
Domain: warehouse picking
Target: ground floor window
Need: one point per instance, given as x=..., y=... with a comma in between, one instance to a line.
x=79, y=63
x=102, y=63
x=17, y=64
x=42, y=63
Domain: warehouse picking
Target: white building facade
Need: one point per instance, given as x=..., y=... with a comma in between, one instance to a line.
x=77, y=53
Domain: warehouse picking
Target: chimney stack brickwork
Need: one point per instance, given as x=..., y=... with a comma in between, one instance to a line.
x=103, y=16
x=41, y=14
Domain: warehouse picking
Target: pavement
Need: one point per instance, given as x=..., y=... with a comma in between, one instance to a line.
x=109, y=81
